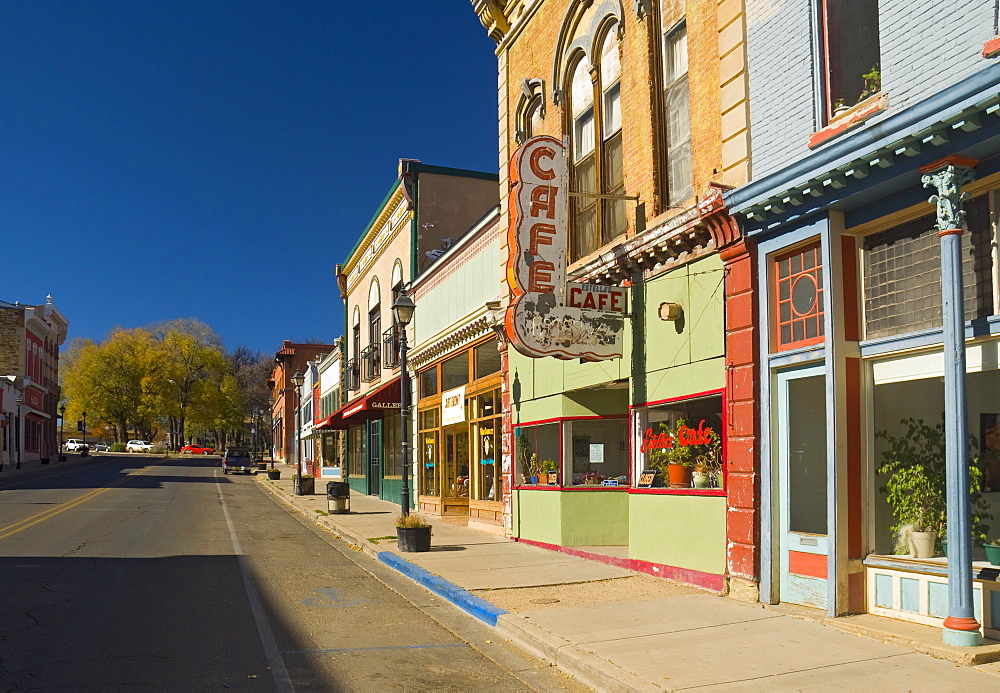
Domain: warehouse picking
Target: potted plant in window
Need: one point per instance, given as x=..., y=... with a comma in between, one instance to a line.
x=524, y=456
x=550, y=468
x=708, y=461
x=914, y=467
x=675, y=460
x=533, y=469
x=412, y=534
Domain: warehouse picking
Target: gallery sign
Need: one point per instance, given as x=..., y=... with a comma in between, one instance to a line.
x=548, y=316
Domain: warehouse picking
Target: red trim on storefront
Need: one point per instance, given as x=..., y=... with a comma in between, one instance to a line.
x=363, y=408
x=680, y=491
x=808, y=564
x=709, y=581
x=855, y=512
x=547, y=487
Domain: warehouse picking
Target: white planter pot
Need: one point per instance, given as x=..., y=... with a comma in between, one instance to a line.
x=922, y=544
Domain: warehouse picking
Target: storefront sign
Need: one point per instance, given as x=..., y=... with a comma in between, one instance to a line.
x=596, y=453
x=547, y=316
x=386, y=405
x=453, y=406
x=686, y=435
x=610, y=482
x=646, y=478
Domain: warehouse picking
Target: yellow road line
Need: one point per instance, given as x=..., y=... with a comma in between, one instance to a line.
x=27, y=522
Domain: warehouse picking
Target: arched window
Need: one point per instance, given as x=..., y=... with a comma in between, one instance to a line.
x=598, y=209
x=356, y=333
x=374, y=313
x=530, y=109
x=677, y=102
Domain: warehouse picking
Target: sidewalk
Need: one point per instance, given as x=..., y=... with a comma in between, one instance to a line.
x=621, y=631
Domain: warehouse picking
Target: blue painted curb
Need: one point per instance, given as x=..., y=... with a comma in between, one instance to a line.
x=463, y=599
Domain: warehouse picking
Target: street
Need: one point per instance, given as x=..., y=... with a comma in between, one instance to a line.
x=129, y=573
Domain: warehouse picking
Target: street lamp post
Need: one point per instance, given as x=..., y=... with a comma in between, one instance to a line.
x=254, y=422
x=402, y=311
x=297, y=380
x=62, y=421
x=84, y=428
x=17, y=430
x=270, y=413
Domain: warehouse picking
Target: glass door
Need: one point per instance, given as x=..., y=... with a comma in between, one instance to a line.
x=802, y=481
x=455, y=472
x=374, y=457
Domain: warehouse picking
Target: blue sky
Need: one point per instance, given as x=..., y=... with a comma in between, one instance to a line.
x=216, y=158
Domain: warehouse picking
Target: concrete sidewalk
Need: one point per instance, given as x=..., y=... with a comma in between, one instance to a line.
x=620, y=631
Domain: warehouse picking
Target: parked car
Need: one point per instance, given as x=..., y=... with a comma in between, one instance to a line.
x=238, y=460
x=102, y=447
x=197, y=450
x=138, y=446
x=73, y=445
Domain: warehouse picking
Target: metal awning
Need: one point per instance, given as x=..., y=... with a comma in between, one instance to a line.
x=371, y=406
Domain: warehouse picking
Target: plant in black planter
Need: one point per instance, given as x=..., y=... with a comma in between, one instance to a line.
x=412, y=534
x=273, y=474
x=914, y=464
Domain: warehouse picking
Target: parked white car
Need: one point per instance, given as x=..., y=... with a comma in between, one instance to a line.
x=138, y=446
x=73, y=445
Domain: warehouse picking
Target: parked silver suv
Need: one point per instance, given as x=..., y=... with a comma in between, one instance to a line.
x=138, y=446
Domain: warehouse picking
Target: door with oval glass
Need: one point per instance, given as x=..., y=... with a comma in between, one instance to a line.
x=802, y=486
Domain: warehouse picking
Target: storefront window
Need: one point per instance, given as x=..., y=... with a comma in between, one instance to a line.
x=597, y=452
x=693, y=423
x=356, y=450
x=487, y=359
x=799, y=298
x=533, y=446
x=392, y=457
x=904, y=389
x=429, y=381
x=427, y=452
x=486, y=426
x=330, y=451
x=455, y=371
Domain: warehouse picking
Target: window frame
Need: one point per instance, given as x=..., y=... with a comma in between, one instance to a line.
x=775, y=299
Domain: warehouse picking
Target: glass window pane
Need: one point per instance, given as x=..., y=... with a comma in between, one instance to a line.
x=582, y=88
x=598, y=451
x=675, y=56
x=583, y=134
x=534, y=445
x=392, y=458
x=611, y=67
x=585, y=233
x=487, y=359
x=612, y=110
x=681, y=184
x=455, y=371
x=428, y=382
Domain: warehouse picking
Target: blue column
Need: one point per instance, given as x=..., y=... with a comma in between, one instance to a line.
x=961, y=627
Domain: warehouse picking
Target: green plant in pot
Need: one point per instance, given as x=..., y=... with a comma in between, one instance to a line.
x=915, y=488
x=413, y=534
x=526, y=457
x=708, y=461
x=550, y=468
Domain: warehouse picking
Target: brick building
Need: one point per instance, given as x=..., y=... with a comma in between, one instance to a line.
x=645, y=109
x=857, y=118
x=290, y=358
x=30, y=337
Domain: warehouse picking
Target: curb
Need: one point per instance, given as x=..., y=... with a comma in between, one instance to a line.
x=464, y=600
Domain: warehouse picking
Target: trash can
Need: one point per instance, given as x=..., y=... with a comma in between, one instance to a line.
x=338, y=497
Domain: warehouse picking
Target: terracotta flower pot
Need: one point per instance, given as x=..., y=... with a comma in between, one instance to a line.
x=680, y=476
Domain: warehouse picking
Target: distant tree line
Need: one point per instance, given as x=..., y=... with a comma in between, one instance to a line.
x=172, y=377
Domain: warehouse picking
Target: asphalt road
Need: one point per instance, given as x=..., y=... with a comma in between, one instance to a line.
x=138, y=573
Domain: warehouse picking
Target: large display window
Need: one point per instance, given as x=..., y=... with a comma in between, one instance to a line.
x=428, y=436
x=679, y=444
x=485, y=426
x=573, y=452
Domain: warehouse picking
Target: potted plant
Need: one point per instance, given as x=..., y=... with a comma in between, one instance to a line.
x=533, y=469
x=873, y=83
x=675, y=461
x=525, y=457
x=550, y=468
x=273, y=474
x=993, y=552
x=412, y=534
x=308, y=484
x=915, y=487
x=708, y=461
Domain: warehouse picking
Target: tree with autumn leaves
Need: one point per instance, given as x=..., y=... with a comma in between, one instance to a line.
x=173, y=377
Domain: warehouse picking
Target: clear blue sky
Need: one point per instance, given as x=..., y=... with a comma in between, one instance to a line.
x=216, y=158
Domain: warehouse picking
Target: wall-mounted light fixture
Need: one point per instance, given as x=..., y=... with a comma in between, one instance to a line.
x=671, y=312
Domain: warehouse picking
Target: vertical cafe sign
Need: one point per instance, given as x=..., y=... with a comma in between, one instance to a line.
x=547, y=315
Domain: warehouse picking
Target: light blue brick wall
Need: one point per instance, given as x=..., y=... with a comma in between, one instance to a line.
x=780, y=57
x=926, y=46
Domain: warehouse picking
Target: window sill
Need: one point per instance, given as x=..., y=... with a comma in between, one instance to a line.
x=679, y=491
x=991, y=49
x=850, y=119
x=553, y=487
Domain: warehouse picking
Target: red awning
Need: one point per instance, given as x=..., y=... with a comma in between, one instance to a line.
x=372, y=406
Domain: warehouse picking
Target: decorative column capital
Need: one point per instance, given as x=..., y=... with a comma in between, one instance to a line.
x=948, y=177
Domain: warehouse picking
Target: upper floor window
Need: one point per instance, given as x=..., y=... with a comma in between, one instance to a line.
x=851, y=53
x=677, y=103
x=530, y=110
x=597, y=173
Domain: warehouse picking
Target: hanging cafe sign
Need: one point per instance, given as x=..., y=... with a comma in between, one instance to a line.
x=547, y=315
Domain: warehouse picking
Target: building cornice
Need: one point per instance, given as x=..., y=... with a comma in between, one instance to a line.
x=451, y=338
